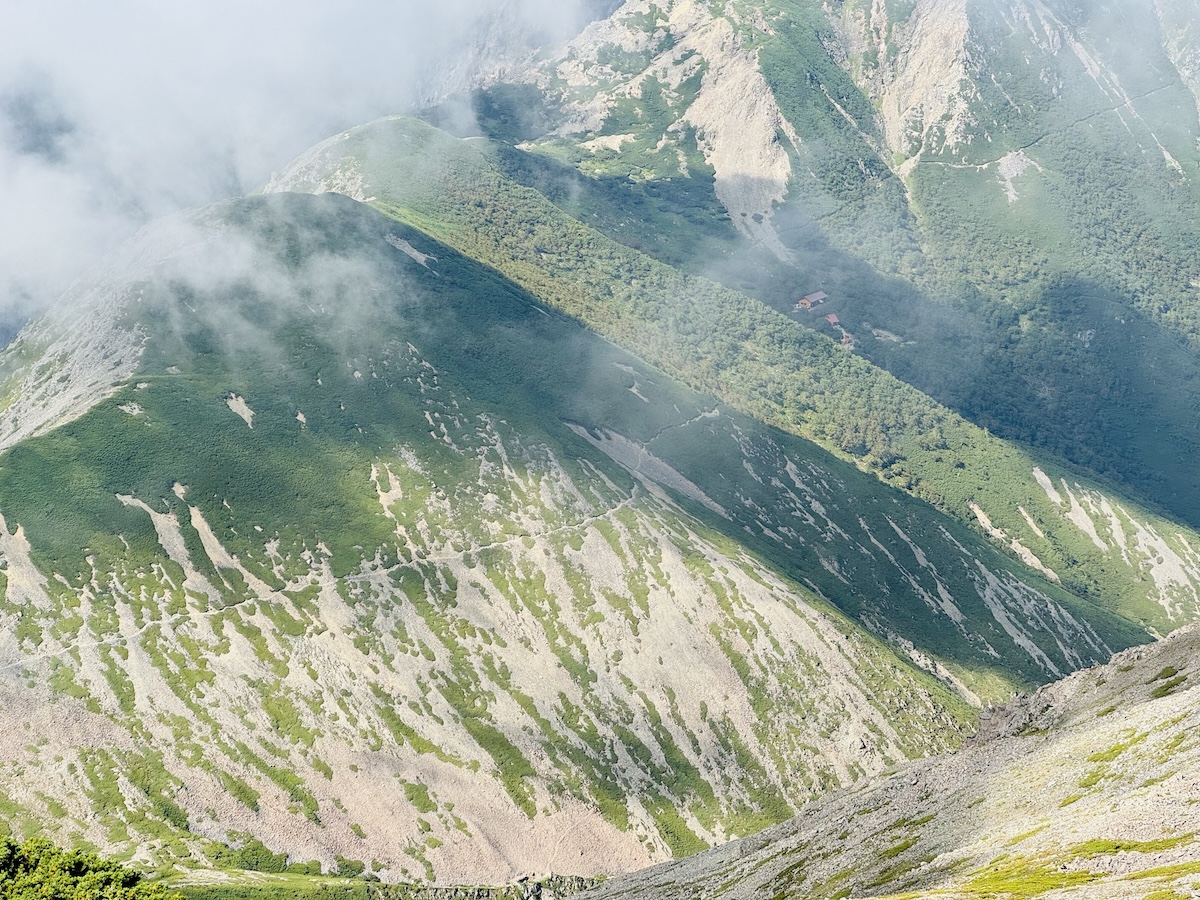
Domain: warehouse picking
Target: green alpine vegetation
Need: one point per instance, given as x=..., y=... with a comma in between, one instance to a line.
x=999, y=198
x=37, y=870
x=367, y=547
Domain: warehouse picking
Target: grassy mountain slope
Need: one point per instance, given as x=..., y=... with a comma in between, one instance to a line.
x=1084, y=789
x=366, y=554
x=1070, y=528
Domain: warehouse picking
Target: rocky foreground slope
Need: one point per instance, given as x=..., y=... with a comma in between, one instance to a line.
x=1088, y=788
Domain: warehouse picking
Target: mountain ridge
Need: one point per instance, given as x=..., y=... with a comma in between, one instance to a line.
x=1087, y=226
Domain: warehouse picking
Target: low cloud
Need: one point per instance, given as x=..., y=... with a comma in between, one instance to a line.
x=113, y=114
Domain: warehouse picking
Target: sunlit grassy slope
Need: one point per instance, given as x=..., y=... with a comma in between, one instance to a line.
x=375, y=556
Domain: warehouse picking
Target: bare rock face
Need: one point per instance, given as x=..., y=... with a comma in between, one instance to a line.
x=702, y=57
x=1133, y=676
x=949, y=78
x=1180, y=24
x=915, y=67
x=506, y=36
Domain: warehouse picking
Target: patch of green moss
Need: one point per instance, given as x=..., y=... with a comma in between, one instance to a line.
x=1104, y=756
x=1105, y=847
x=1164, y=673
x=1019, y=878
x=1168, y=687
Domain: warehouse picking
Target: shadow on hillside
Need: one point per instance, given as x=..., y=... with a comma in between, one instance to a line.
x=1077, y=373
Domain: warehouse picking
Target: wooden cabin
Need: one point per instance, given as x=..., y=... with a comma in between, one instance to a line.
x=808, y=301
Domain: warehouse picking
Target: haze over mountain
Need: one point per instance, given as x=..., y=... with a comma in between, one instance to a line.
x=110, y=117
x=478, y=498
